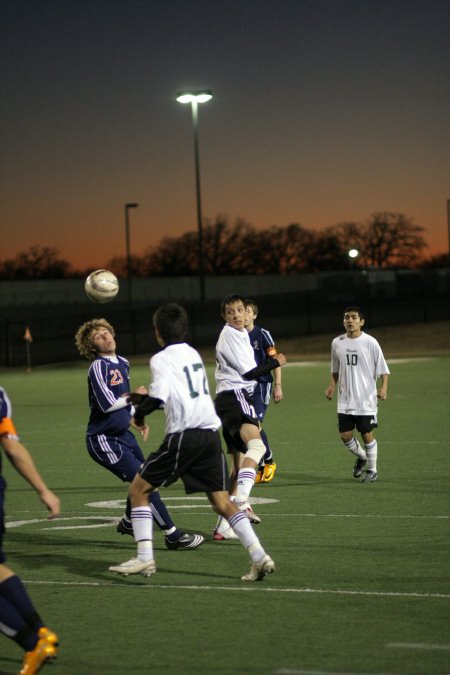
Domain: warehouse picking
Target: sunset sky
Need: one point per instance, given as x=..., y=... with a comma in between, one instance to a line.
x=324, y=111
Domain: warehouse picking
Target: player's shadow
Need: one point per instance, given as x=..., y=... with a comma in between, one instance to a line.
x=295, y=480
x=75, y=557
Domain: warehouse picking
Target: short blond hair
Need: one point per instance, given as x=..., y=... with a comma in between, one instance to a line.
x=84, y=334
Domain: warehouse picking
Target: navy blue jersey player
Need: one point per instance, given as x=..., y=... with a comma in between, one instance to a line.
x=19, y=619
x=263, y=348
x=109, y=440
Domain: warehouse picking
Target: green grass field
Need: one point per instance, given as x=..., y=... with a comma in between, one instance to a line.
x=362, y=570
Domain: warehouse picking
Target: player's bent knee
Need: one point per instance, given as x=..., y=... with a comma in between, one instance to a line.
x=255, y=450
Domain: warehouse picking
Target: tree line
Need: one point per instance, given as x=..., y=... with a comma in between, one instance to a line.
x=386, y=240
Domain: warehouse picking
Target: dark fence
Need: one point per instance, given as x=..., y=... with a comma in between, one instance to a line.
x=399, y=297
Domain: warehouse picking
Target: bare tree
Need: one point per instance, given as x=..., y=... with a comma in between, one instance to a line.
x=172, y=257
x=392, y=240
x=224, y=246
x=331, y=246
x=39, y=262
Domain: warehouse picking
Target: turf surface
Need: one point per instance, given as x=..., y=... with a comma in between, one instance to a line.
x=362, y=570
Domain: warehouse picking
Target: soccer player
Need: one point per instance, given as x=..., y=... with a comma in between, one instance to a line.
x=357, y=362
x=19, y=619
x=263, y=347
x=236, y=376
x=191, y=449
x=109, y=440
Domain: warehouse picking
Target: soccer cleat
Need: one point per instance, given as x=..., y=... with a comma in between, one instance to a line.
x=186, y=541
x=359, y=467
x=48, y=635
x=44, y=652
x=251, y=515
x=370, y=477
x=259, y=570
x=268, y=472
x=124, y=527
x=259, y=475
x=220, y=534
x=135, y=566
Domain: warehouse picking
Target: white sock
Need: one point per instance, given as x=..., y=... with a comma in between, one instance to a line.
x=372, y=455
x=222, y=525
x=244, y=530
x=355, y=448
x=142, y=520
x=245, y=481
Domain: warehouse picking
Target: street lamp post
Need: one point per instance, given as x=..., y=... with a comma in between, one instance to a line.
x=128, y=253
x=194, y=98
x=448, y=224
x=127, y=244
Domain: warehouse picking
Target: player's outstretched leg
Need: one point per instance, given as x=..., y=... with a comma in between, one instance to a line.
x=44, y=652
x=261, y=562
x=174, y=539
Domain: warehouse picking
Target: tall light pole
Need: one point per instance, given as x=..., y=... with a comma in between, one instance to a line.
x=194, y=98
x=448, y=224
x=128, y=252
x=127, y=244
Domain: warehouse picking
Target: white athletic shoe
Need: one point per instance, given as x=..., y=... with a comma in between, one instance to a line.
x=259, y=570
x=135, y=566
x=247, y=509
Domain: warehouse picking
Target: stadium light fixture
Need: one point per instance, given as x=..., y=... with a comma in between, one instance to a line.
x=194, y=98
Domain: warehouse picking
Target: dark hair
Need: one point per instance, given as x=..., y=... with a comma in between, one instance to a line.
x=355, y=308
x=171, y=322
x=251, y=303
x=230, y=300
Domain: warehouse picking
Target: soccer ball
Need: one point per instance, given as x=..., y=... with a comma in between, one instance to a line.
x=101, y=286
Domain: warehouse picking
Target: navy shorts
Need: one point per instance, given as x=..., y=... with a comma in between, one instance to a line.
x=195, y=456
x=119, y=454
x=235, y=408
x=363, y=423
x=261, y=398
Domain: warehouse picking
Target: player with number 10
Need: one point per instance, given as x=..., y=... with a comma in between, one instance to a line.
x=357, y=362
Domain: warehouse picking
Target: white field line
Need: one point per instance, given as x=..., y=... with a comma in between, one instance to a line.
x=253, y=588
x=295, y=671
x=108, y=520
x=417, y=645
x=300, y=364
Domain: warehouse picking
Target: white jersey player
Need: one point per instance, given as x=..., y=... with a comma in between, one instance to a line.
x=236, y=375
x=179, y=379
x=191, y=449
x=357, y=362
x=234, y=356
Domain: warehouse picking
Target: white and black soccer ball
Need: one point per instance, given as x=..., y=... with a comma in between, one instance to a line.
x=101, y=286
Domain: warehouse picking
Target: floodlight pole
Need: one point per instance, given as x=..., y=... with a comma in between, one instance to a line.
x=128, y=257
x=194, y=98
x=448, y=224
x=127, y=244
x=201, y=271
